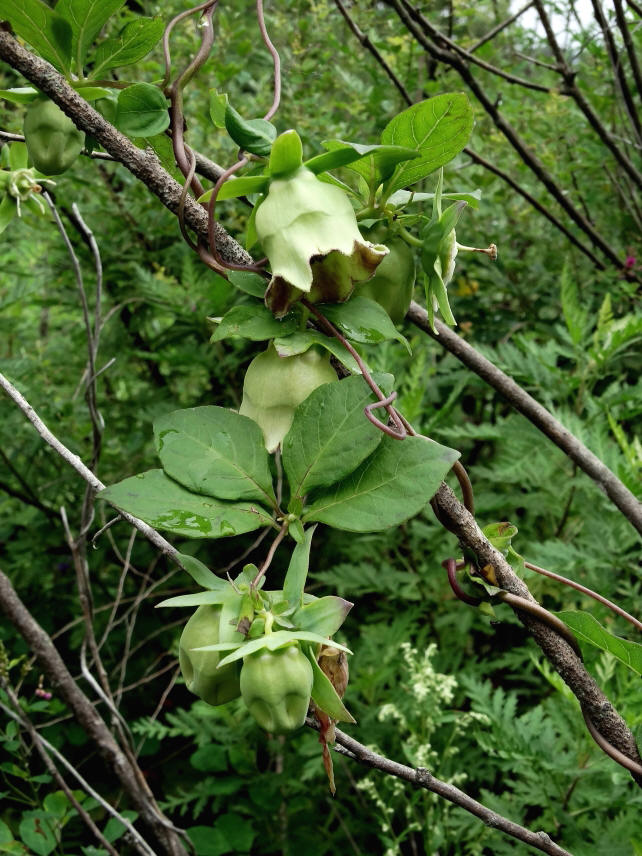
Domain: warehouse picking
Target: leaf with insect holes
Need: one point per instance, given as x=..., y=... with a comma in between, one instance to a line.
x=164, y=504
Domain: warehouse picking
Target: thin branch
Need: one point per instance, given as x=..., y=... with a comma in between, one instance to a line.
x=74, y=461
x=617, y=492
x=367, y=44
x=595, y=705
x=54, y=667
x=587, y=591
x=422, y=778
x=501, y=26
x=491, y=167
x=142, y=164
x=415, y=22
x=571, y=88
x=618, y=70
x=443, y=41
x=629, y=45
x=44, y=749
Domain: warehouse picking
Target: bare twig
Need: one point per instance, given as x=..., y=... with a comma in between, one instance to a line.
x=74, y=461
x=416, y=22
x=45, y=749
x=501, y=26
x=54, y=667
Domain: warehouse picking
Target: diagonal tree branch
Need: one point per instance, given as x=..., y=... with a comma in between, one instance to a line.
x=142, y=164
x=617, y=492
x=417, y=25
x=368, y=45
x=54, y=667
x=451, y=513
x=422, y=778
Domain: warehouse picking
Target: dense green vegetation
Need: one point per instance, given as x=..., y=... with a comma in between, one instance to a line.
x=433, y=682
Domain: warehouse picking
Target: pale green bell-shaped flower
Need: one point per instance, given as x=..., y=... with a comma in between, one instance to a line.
x=308, y=230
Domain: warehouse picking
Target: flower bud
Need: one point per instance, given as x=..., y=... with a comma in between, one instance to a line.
x=199, y=668
x=276, y=687
x=274, y=386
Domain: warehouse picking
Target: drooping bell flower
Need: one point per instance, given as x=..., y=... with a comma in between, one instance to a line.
x=309, y=233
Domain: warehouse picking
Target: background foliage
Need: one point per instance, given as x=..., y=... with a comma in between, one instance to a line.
x=434, y=683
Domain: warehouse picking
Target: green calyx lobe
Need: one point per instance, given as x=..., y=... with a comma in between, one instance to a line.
x=276, y=687
x=394, y=280
x=200, y=668
x=53, y=141
x=274, y=386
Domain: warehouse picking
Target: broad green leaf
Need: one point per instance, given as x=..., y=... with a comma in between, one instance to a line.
x=254, y=322
x=135, y=41
x=47, y=32
x=18, y=156
x=141, y=111
x=199, y=598
x=363, y=320
x=324, y=694
x=86, y=18
x=93, y=93
x=8, y=210
x=272, y=642
x=341, y=153
x=20, y=94
x=330, y=435
x=302, y=341
x=390, y=486
x=250, y=283
x=165, y=505
x=406, y=197
x=216, y=452
x=297, y=572
x=57, y=803
x=252, y=135
x=218, y=106
x=323, y=616
x=375, y=163
x=230, y=833
x=201, y=574
x=6, y=836
x=500, y=535
x=439, y=128
x=39, y=830
x=235, y=187
x=588, y=629
x=114, y=829
x=162, y=146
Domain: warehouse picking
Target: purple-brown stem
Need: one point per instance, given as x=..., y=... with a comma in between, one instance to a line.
x=465, y=485
x=451, y=567
x=396, y=418
x=579, y=587
x=611, y=750
x=175, y=91
x=398, y=435
x=211, y=224
x=276, y=58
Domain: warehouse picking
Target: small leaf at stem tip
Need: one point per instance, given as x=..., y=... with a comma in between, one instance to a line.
x=252, y=135
x=500, y=535
x=324, y=616
x=287, y=153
